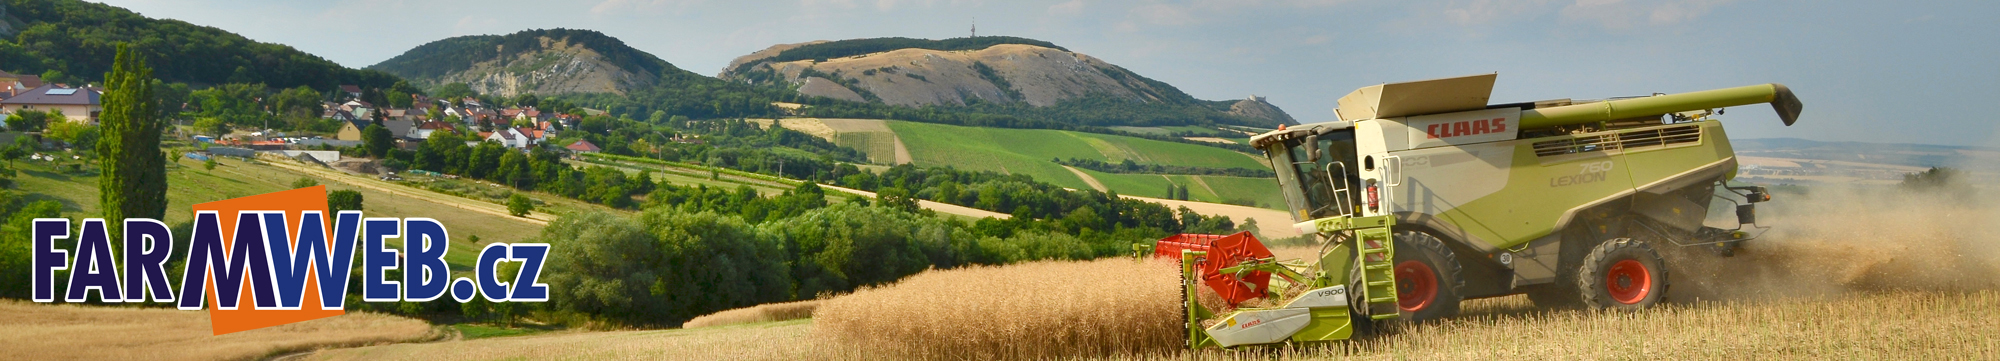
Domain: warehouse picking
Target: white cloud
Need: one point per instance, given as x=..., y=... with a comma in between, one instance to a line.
x=827, y=3
x=1611, y=14
x=1477, y=12
x=1163, y=14
x=1070, y=8
x=609, y=7
x=1620, y=14
x=475, y=24
x=1321, y=39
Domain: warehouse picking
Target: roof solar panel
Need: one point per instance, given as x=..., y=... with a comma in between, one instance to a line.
x=62, y=91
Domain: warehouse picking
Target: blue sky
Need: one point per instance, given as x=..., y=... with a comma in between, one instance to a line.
x=1879, y=71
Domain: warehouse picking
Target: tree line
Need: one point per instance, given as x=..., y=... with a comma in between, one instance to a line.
x=1129, y=167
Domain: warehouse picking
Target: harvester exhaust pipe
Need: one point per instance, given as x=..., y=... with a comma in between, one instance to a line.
x=1778, y=95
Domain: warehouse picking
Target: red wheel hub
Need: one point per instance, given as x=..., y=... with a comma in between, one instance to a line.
x=1629, y=281
x=1416, y=286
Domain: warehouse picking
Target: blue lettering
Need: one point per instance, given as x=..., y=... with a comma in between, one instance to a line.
x=94, y=269
x=487, y=272
x=525, y=287
x=377, y=258
x=206, y=262
x=426, y=276
x=147, y=245
x=47, y=260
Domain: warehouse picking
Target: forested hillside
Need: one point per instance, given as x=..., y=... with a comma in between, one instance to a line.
x=70, y=41
x=459, y=53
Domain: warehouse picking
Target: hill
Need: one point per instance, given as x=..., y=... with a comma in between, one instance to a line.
x=1004, y=75
x=72, y=41
x=542, y=62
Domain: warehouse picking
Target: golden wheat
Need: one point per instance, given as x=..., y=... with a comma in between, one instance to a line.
x=1026, y=311
x=1894, y=325
x=754, y=314
x=67, y=332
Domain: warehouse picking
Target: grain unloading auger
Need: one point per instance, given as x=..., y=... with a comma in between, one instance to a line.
x=1423, y=195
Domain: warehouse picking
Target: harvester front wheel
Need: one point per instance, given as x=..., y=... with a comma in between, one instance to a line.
x=1427, y=278
x=1623, y=274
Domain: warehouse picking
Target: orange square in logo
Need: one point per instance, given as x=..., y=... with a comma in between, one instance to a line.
x=246, y=317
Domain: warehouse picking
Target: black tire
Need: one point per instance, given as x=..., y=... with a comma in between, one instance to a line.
x=1441, y=264
x=1623, y=274
x=1357, y=311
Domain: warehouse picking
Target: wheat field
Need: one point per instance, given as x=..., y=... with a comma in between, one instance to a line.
x=1847, y=275
x=31, y=331
x=760, y=313
x=1026, y=311
x=1879, y=326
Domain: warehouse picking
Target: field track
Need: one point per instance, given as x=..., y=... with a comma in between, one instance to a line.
x=539, y=218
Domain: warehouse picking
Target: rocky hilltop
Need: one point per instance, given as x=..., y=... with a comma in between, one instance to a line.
x=1256, y=107
x=542, y=62
x=915, y=72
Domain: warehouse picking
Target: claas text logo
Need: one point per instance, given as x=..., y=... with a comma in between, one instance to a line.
x=273, y=259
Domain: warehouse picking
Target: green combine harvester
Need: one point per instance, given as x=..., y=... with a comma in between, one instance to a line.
x=1423, y=195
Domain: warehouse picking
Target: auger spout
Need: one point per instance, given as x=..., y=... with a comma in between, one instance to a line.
x=1780, y=98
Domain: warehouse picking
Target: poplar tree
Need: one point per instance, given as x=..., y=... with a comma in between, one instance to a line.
x=133, y=182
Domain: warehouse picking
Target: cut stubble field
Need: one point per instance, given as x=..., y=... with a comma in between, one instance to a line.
x=64, y=332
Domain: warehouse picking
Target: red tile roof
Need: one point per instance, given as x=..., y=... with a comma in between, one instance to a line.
x=583, y=146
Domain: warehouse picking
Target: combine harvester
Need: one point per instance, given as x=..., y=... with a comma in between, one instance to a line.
x=1422, y=195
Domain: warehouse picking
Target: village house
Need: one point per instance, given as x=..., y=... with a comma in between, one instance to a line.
x=351, y=130
x=583, y=146
x=79, y=104
x=12, y=84
x=336, y=113
x=518, y=138
x=425, y=130
x=412, y=115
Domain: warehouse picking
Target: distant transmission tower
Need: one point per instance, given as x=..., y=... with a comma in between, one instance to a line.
x=975, y=26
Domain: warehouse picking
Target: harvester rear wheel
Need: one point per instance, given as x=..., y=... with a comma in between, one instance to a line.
x=1623, y=274
x=1427, y=278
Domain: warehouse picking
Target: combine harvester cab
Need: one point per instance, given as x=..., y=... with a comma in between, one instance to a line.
x=1423, y=195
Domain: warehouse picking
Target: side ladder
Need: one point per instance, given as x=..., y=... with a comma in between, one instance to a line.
x=1378, y=270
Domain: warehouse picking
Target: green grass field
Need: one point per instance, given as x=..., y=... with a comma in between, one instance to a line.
x=1030, y=151
x=1262, y=192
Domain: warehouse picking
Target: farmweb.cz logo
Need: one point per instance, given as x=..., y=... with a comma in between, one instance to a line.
x=280, y=255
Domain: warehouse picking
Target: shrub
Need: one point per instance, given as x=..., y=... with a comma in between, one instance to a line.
x=844, y=246
x=662, y=268
x=343, y=200
x=519, y=205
